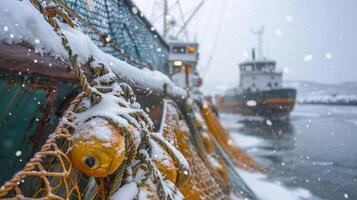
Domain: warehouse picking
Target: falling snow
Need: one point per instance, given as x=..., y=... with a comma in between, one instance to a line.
x=308, y=58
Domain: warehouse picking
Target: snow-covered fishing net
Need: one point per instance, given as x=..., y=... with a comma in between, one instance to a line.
x=232, y=155
x=125, y=26
x=107, y=137
x=218, y=132
x=205, y=182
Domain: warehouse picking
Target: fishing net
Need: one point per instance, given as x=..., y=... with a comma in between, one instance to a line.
x=231, y=154
x=205, y=183
x=124, y=25
x=50, y=174
x=218, y=132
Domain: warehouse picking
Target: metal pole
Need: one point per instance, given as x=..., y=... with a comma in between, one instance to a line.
x=164, y=32
x=190, y=18
x=259, y=34
x=187, y=78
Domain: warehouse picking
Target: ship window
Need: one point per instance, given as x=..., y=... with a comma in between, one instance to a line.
x=179, y=50
x=248, y=68
x=271, y=67
x=269, y=84
x=253, y=85
x=259, y=67
x=276, y=84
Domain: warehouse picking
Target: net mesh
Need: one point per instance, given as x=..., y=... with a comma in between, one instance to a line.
x=50, y=175
x=125, y=27
x=239, y=157
x=205, y=183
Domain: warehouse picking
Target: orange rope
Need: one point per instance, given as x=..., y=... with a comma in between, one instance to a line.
x=241, y=158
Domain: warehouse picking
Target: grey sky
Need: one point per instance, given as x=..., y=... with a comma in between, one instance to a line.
x=312, y=40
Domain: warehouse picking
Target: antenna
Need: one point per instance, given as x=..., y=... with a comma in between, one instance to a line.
x=259, y=33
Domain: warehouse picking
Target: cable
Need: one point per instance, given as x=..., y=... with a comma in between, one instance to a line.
x=215, y=41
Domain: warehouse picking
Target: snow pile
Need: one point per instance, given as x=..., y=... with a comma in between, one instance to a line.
x=22, y=23
x=268, y=190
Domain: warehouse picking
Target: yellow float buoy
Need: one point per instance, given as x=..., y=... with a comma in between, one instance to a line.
x=98, y=148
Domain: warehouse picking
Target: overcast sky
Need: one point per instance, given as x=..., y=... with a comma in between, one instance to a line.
x=313, y=40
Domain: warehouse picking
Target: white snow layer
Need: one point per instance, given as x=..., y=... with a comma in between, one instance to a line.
x=126, y=192
x=329, y=98
x=245, y=141
x=267, y=190
x=20, y=22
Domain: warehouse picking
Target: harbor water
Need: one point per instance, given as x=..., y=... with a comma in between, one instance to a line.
x=313, y=155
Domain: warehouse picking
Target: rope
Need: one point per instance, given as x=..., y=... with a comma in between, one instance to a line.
x=183, y=172
x=34, y=167
x=204, y=180
x=49, y=14
x=136, y=118
x=238, y=184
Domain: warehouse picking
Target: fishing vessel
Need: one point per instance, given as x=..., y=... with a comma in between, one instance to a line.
x=260, y=91
x=88, y=109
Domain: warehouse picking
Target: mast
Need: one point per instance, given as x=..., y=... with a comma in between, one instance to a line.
x=199, y=6
x=259, y=33
x=164, y=32
x=173, y=25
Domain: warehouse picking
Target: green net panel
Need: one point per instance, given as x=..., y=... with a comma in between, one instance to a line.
x=125, y=26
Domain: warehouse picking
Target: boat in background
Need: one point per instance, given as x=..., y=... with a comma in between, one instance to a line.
x=260, y=91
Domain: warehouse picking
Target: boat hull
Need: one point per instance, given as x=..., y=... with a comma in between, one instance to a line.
x=270, y=104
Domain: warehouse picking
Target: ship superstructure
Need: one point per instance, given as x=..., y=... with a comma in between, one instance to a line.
x=260, y=91
x=259, y=75
x=183, y=60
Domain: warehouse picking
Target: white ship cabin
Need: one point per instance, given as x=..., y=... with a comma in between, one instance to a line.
x=183, y=59
x=183, y=56
x=259, y=75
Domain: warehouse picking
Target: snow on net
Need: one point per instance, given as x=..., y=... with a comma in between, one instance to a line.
x=27, y=25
